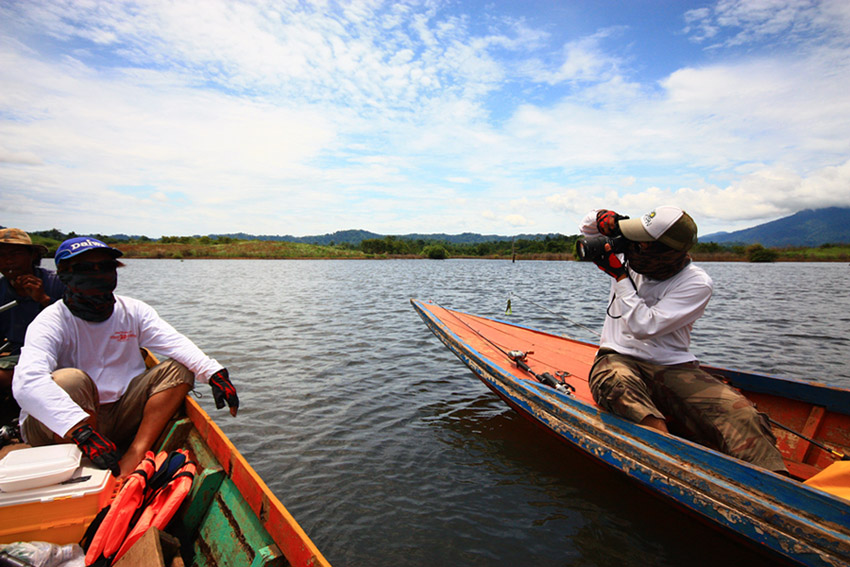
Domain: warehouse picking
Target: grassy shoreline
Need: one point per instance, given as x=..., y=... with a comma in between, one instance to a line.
x=183, y=248
x=255, y=249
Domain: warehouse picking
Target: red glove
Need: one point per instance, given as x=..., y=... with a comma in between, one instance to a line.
x=604, y=221
x=223, y=390
x=100, y=450
x=611, y=265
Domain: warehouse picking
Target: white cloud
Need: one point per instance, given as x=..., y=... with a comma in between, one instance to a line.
x=398, y=117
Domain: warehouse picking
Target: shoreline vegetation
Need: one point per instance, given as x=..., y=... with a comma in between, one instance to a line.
x=557, y=248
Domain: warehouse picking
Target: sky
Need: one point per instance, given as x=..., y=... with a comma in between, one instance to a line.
x=273, y=117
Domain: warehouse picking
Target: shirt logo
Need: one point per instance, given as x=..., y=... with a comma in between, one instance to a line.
x=122, y=336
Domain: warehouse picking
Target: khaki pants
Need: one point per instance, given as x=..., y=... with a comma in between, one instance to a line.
x=696, y=404
x=119, y=420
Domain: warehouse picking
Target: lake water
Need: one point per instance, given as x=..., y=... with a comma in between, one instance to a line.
x=388, y=451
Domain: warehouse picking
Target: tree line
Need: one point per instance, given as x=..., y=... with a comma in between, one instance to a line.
x=551, y=246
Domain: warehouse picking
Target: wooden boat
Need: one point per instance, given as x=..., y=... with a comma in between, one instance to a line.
x=787, y=519
x=230, y=516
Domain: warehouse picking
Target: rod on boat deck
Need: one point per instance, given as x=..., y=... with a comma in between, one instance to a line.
x=837, y=454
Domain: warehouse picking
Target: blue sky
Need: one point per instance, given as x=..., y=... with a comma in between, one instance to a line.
x=506, y=117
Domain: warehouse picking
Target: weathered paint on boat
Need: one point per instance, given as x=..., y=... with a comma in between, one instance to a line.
x=782, y=516
x=231, y=517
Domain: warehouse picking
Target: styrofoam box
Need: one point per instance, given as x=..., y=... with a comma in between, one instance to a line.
x=35, y=467
x=59, y=513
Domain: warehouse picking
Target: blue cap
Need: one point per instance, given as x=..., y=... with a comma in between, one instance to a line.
x=80, y=244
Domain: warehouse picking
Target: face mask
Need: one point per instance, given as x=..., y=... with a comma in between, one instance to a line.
x=657, y=261
x=88, y=295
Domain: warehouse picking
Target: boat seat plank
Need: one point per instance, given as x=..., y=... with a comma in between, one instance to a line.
x=810, y=429
x=231, y=534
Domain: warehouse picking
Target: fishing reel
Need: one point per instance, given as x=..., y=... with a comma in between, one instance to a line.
x=518, y=355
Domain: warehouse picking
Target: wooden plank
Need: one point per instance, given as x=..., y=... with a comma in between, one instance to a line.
x=231, y=534
x=809, y=429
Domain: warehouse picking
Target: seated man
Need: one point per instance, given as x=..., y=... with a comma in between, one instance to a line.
x=82, y=378
x=29, y=289
x=644, y=370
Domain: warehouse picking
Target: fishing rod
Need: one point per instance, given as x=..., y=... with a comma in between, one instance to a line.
x=519, y=357
x=553, y=313
x=836, y=454
x=8, y=306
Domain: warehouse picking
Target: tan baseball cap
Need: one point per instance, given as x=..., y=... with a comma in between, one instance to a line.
x=18, y=236
x=669, y=225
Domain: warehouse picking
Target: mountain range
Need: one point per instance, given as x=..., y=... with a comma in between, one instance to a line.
x=811, y=227
x=355, y=237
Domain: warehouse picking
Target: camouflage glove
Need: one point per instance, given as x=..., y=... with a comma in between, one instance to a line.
x=100, y=450
x=223, y=390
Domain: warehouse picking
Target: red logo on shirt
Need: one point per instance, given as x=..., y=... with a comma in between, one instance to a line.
x=122, y=336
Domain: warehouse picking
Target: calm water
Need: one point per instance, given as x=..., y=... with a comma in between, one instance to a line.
x=388, y=451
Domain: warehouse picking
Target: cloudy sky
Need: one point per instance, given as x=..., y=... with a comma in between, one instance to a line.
x=170, y=117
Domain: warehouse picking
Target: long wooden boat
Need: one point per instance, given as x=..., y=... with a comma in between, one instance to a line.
x=784, y=517
x=230, y=516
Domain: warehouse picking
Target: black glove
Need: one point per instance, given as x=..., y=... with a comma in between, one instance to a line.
x=100, y=450
x=222, y=389
x=611, y=265
x=603, y=222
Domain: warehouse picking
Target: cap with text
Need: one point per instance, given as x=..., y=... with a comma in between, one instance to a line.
x=669, y=225
x=80, y=244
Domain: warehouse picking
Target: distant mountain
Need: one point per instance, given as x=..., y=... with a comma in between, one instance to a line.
x=338, y=237
x=806, y=228
x=355, y=237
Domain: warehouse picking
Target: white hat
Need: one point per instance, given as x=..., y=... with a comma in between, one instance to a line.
x=669, y=225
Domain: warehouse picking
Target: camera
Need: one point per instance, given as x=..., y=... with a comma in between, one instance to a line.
x=593, y=248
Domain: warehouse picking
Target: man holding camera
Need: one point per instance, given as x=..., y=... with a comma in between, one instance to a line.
x=644, y=370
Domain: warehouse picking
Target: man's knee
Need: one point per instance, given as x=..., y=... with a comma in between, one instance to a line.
x=170, y=374
x=81, y=389
x=622, y=394
x=79, y=386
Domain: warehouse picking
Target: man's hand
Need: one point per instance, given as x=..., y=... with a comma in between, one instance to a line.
x=607, y=222
x=611, y=265
x=223, y=390
x=33, y=287
x=100, y=450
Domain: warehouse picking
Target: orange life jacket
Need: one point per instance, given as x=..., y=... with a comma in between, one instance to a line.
x=149, y=497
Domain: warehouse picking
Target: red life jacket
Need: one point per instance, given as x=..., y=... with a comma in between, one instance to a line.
x=165, y=503
x=149, y=497
x=114, y=525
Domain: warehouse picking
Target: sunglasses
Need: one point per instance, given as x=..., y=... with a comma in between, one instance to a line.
x=89, y=267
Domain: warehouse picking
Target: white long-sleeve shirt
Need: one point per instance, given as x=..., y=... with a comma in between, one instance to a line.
x=107, y=351
x=652, y=320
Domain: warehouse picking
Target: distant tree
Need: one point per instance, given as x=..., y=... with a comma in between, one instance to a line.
x=758, y=253
x=435, y=252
